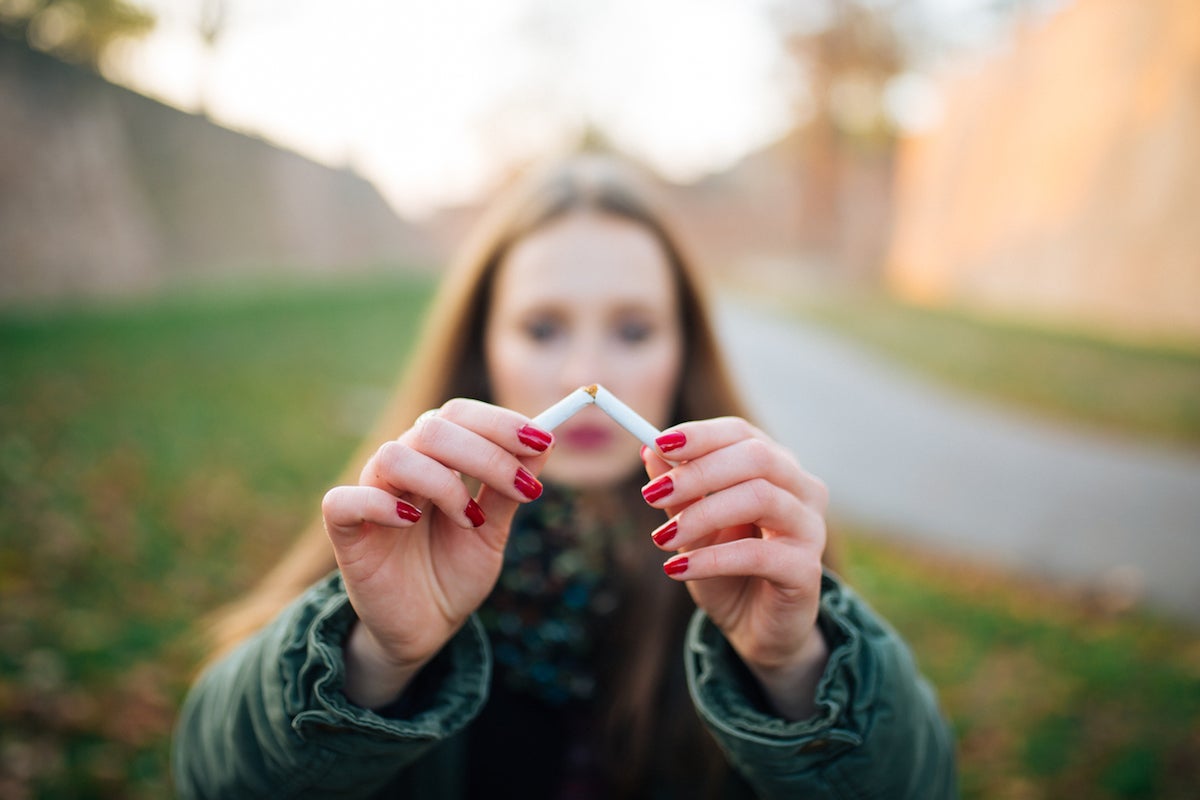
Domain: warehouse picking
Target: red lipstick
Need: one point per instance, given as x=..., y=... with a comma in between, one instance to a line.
x=586, y=436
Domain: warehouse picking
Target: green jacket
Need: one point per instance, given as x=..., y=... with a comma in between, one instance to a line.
x=270, y=719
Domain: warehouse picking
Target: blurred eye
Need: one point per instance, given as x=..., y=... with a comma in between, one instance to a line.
x=634, y=331
x=542, y=330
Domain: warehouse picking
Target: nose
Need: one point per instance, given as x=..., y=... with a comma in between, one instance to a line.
x=584, y=363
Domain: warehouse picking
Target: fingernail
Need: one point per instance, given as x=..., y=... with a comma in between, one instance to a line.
x=670, y=441
x=527, y=484
x=676, y=566
x=658, y=488
x=665, y=533
x=407, y=511
x=474, y=513
x=534, y=438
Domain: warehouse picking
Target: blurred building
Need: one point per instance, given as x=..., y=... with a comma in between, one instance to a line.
x=104, y=192
x=801, y=212
x=1064, y=179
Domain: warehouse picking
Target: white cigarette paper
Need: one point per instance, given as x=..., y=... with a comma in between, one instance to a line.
x=626, y=417
x=564, y=409
x=607, y=402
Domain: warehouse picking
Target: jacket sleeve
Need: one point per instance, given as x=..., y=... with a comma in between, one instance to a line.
x=270, y=719
x=877, y=732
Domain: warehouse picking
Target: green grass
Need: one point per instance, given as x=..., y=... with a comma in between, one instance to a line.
x=1077, y=378
x=154, y=459
x=1051, y=696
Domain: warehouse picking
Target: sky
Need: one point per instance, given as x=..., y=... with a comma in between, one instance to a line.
x=433, y=101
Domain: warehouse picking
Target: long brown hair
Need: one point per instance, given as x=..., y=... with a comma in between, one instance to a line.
x=448, y=362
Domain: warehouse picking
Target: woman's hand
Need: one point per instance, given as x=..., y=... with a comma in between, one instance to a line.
x=749, y=526
x=417, y=553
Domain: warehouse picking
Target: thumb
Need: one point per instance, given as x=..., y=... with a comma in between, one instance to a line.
x=654, y=464
x=498, y=509
x=498, y=512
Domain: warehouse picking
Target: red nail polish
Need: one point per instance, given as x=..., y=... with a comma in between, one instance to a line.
x=407, y=511
x=670, y=441
x=527, y=484
x=676, y=566
x=658, y=488
x=474, y=513
x=665, y=534
x=534, y=438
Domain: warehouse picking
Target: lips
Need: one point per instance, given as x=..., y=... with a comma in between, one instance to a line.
x=586, y=437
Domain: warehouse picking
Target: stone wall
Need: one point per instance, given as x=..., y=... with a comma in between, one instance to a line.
x=104, y=192
x=1064, y=180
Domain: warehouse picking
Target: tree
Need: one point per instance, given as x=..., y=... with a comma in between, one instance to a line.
x=214, y=18
x=75, y=30
x=845, y=52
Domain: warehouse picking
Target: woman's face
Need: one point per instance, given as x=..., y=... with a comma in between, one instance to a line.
x=588, y=298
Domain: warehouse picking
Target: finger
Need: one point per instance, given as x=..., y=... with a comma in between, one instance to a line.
x=469, y=452
x=346, y=509
x=654, y=464
x=755, y=503
x=420, y=479
x=693, y=439
x=726, y=451
x=785, y=564
x=458, y=419
x=737, y=463
x=497, y=511
x=512, y=431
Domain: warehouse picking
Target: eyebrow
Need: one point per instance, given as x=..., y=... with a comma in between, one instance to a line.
x=633, y=303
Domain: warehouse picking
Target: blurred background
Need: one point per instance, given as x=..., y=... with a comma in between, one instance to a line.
x=968, y=228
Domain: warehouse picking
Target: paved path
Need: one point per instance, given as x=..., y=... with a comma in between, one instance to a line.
x=904, y=456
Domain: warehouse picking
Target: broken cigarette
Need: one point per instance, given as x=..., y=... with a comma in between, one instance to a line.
x=626, y=417
x=564, y=409
x=607, y=402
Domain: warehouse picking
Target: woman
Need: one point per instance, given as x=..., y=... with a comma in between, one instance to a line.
x=488, y=633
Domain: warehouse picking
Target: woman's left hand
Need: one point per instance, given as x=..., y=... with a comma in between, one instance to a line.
x=748, y=525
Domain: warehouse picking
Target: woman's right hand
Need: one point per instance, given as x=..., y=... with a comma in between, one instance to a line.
x=417, y=553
